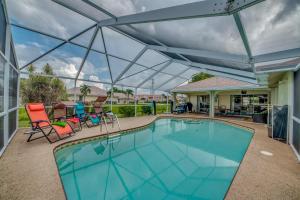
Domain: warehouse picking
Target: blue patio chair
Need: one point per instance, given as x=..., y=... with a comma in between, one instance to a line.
x=85, y=117
x=180, y=109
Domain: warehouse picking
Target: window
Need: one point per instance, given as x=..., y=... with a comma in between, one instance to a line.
x=296, y=124
x=248, y=104
x=2, y=29
x=1, y=134
x=12, y=120
x=1, y=84
x=13, y=88
x=203, y=103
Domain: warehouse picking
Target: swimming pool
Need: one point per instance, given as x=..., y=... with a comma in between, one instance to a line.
x=169, y=159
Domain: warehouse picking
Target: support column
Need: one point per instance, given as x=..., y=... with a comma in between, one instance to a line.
x=212, y=104
x=6, y=87
x=135, y=102
x=111, y=96
x=152, y=88
x=167, y=103
x=174, y=100
x=75, y=96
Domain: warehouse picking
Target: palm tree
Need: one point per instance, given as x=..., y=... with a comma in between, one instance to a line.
x=128, y=92
x=85, y=90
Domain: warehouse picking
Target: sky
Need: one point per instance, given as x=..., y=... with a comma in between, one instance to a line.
x=267, y=26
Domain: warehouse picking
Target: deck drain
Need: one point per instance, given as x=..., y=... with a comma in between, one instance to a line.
x=266, y=153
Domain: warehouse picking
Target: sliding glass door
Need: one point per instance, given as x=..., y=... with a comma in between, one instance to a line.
x=248, y=104
x=296, y=115
x=203, y=103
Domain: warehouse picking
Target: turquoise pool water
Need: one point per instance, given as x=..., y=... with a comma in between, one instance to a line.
x=171, y=159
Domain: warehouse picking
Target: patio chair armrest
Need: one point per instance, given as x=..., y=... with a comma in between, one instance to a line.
x=60, y=118
x=39, y=121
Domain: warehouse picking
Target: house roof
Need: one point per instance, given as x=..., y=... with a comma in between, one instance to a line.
x=120, y=95
x=95, y=91
x=279, y=64
x=215, y=83
x=149, y=95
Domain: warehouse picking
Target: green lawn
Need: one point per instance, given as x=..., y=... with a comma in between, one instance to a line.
x=160, y=108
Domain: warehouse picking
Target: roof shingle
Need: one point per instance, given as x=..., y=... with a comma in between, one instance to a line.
x=215, y=83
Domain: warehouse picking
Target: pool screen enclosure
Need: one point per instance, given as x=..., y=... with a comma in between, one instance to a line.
x=142, y=44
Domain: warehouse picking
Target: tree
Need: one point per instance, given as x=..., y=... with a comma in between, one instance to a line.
x=200, y=76
x=115, y=90
x=85, y=90
x=128, y=92
x=39, y=88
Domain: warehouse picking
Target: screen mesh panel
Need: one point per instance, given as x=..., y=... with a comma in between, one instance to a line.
x=296, y=136
x=30, y=45
x=117, y=66
x=136, y=79
x=13, y=88
x=2, y=29
x=48, y=17
x=158, y=80
x=270, y=25
x=85, y=38
x=65, y=61
x=84, y=8
x=12, y=58
x=220, y=35
x=119, y=45
x=98, y=43
x=151, y=58
x=297, y=94
x=189, y=73
x=172, y=84
x=134, y=69
x=12, y=122
x=1, y=84
x=95, y=68
x=1, y=133
x=175, y=68
x=220, y=63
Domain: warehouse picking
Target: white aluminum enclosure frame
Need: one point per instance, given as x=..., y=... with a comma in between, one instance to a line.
x=191, y=10
x=200, y=9
x=9, y=47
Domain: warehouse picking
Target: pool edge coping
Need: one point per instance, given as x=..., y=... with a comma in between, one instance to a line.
x=126, y=131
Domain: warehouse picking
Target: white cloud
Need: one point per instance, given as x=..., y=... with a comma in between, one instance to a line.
x=95, y=78
x=47, y=16
x=273, y=25
x=26, y=53
x=118, y=7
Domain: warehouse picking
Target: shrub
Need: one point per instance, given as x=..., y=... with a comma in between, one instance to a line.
x=127, y=111
x=146, y=110
x=106, y=109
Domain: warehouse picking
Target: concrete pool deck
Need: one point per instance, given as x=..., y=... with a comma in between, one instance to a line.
x=28, y=170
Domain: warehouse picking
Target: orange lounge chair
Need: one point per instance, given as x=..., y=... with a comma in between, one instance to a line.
x=40, y=122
